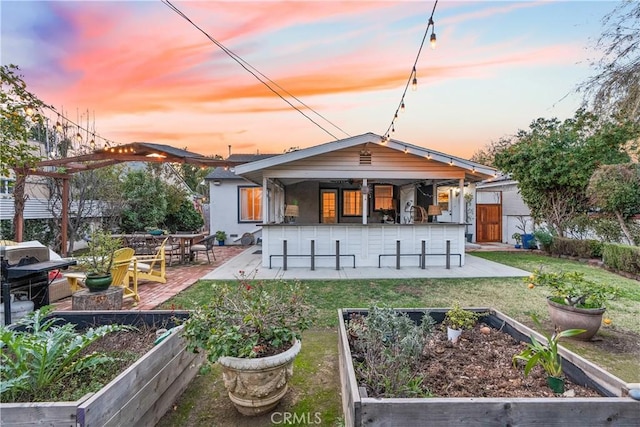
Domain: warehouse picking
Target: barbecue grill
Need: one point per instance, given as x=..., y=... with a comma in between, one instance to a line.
x=26, y=270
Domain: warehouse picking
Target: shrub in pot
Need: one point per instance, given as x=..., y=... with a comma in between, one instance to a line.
x=458, y=319
x=253, y=331
x=98, y=261
x=575, y=302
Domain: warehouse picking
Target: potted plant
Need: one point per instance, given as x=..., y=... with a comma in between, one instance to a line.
x=253, y=331
x=221, y=236
x=458, y=319
x=575, y=302
x=98, y=260
x=518, y=238
x=546, y=355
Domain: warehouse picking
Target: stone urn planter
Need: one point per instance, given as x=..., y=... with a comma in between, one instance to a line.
x=567, y=317
x=257, y=385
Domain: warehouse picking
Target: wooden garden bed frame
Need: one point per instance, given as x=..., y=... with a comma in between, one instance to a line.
x=138, y=396
x=615, y=408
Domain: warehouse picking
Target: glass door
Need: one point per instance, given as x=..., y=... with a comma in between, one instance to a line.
x=328, y=206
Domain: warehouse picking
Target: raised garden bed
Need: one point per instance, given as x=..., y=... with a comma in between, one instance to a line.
x=614, y=407
x=138, y=396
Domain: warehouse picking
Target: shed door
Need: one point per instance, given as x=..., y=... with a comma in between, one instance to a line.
x=489, y=223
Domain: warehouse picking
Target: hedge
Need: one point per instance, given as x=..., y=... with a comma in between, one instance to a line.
x=622, y=257
x=586, y=248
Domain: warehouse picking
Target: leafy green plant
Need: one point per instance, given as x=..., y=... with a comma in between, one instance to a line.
x=98, y=259
x=221, y=236
x=546, y=355
x=544, y=237
x=44, y=354
x=249, y=319
x=387, y=347
x=459, y=318
x=571, y=288
x=517, y=237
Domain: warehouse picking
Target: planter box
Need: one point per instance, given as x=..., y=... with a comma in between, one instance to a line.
x=138, y=396
x=614, y=408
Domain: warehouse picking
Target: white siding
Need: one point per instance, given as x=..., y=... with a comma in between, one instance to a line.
x=224, y=210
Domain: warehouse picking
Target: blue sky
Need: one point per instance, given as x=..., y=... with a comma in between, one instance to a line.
x=139, y=72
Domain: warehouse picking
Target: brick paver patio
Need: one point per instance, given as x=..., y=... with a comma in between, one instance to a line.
x=179, y=277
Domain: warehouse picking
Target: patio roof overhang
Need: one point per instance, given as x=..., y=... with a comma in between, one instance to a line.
x=437, y=165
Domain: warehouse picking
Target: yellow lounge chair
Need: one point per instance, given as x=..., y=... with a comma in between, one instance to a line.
x=121, y=261
x=146, y=267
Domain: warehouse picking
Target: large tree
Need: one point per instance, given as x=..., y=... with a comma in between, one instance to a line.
x=615, y=88
x=554, y=160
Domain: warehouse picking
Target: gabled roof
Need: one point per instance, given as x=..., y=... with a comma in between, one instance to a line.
x=229, y=172
x=479, y=171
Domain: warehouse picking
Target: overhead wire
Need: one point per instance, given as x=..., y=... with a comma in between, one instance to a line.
x=257, y=74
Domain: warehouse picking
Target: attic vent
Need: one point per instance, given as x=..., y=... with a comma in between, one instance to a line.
x=365, y=157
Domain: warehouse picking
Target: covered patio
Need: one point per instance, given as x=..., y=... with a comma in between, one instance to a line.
x=364, y=201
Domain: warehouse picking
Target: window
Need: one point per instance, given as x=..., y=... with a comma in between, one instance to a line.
x=351, y=203
x=383, y=197
x=6, y=186
x=250, y=204
x=443, y=199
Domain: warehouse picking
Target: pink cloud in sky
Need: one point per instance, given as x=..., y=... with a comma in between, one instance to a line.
x=150, y=76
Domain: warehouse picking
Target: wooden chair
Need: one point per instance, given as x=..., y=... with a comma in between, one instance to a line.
x=206, y=246
x=146, y=267
x=119, y=270
x=420, y=214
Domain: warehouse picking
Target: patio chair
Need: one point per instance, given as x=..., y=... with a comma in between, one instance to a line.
x=119, y=270
x=147, y=267
x=206, y=246
x=172, y=249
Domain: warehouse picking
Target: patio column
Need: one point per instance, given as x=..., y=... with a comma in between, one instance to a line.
x=461, y=200
x=265, y=200
x=365, y=199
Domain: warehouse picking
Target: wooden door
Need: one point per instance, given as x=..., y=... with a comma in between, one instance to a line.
x=328, y=206
x=489, y=223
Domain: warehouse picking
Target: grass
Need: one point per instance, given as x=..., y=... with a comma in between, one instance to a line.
x=509, y=295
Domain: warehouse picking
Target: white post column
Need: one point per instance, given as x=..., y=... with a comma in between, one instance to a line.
x=461, y=200
x=265, y=200
x=365, y=200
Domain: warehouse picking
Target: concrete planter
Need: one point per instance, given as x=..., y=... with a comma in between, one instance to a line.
x=138, y=396
x=256, y=386
x=566, y=317
x=614, y=408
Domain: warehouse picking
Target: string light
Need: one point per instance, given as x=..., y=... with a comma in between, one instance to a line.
x=414, y=83
x=78, y=137
x=59, y=127
x=432, y=39
x=406, y=150
x=29, y=111
x=413, y=77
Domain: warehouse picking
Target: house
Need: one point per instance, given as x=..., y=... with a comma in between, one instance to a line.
x=501, y=211
x=358, y=201
x=234, y=202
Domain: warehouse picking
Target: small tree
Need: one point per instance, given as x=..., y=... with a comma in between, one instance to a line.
x=615, y=189
x=20, y=112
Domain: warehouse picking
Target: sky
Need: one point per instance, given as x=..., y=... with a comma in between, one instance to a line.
x=135, y=71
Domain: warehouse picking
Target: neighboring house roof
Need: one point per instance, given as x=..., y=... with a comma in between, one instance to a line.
x=474, y=172
x=221, y=173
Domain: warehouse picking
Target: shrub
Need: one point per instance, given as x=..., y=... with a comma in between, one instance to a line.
x=585, y=248
x=187, y=218
x=622, y=257
x=388, y=346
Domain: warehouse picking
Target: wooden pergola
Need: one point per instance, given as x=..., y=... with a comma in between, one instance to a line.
x=133, y=152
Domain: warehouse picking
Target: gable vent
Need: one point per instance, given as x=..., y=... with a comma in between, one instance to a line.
x=365, y=157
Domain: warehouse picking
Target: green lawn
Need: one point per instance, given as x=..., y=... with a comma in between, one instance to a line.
x=509, y=295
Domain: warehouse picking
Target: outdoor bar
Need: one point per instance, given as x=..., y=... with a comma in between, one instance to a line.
x=362, y=245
